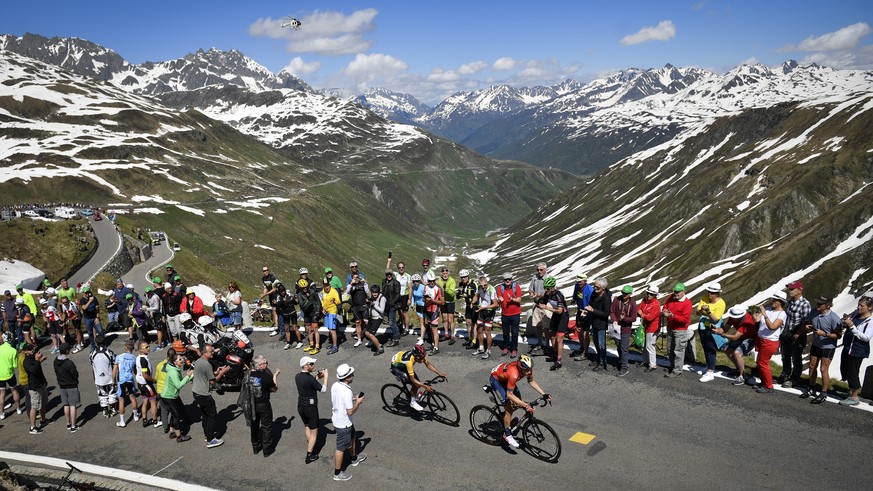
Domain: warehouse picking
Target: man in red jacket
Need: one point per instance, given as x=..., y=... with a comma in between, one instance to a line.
x=741, y=340
x=677, y=313
x=650, y=313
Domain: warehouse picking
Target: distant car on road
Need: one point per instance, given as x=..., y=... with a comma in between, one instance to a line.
x=97, y=216
x=176, y=247
x=30, y=213
x=45, y=213
x=86, y=212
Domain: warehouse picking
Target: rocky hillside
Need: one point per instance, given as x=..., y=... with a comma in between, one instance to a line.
x=751, y=200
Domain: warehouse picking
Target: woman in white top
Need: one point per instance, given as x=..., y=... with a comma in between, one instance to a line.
x=770, y=323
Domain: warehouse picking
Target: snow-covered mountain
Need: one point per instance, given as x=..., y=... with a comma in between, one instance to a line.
x=403, y=108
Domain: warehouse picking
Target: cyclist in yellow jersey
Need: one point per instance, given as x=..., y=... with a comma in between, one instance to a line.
x=403, y=367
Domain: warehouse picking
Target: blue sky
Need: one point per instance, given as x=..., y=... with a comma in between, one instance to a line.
x=434, y=48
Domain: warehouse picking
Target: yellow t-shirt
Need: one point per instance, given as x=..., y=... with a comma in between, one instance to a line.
x=716, y=310
x=331, y=307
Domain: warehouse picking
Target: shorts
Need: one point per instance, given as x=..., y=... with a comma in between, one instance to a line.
x=470, y=314
x=38, y=398
x=485, y=317
x=125, y=389
x=344, y=438
x=583, y=324
x=373, y=325
x=309, y=416
x=558, y=323
x=147, y=391
x=433, y=317
x=501, y=390
x=54, y=328
x=359, y=312
x=236, y=317
x=449, y=308
x=402, y=374
x=70, y=397
x=419, y=310
x=822, y=353
x=403, y=301
x=310, y=318
x=9, y=383
x=744, y=345
x=330, y=321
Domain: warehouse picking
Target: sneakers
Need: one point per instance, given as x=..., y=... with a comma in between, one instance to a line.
x=687, y=368
x=415, y=405
x=650, y=369
x=486, y=355
x=307, y=349
x=333, y=350
x=740, y=380
x=452, y=340
x=514, y=354
x=136, y=416
x=556, y=366
x=510, y=440
x=146, y=422
x=419, y=342
x=77, y=348
x=54, y=351
x=274, y=332
x=434, y=351
x=310, y=458
x=707, y=377
x=314, y=351
x=504, y=352
x=158, y=424
x=622, y=372
x=358, y=459
x=215, y=442
x=379, y=352
x=763, y=390
x=298, y=345
x=20, y=410
x=121, y=424
x=35, y=431
x=182, y=438
x=3, y=415
x=788, y=384
x=850, y=402
x=478, y=351
x=819, y=398
x=673, y=374
x=157, y=348
x=74, y=429
x=342, y=476
x=807, y=393
x=287, y=346
x=358, y=343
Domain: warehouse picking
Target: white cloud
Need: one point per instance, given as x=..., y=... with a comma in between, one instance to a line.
x=368, y=68
x=662, y=32
x=751, y=61
x=845, y=38
x=472, y=68
x=438, y=75
x=299, y=68
x=325, y=33
x=505, y=63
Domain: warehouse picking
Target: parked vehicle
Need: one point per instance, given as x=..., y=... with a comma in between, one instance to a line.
x=86, y=212
x=97, y=216
x=176, y=247
x=30, y=213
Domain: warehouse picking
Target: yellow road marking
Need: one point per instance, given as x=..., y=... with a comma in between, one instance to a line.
x=583, y=438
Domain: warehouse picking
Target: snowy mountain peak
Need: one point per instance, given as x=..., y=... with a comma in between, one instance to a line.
x=392, y=105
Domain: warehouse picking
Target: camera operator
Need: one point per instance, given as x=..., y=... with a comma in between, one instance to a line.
x=308, y=388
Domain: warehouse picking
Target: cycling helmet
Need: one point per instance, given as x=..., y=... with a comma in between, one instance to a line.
x=416, y=277
x=464, y=273
x=179, y=346
x=418, y=352
x=204, y=321
x=430, y=276
x=7, y=337
x=303, y=271
x=301, y=283
x=549, y=282
x=184, y=317
x=525, y=362
x=43, y=301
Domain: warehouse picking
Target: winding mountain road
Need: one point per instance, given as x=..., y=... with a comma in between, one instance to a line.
x=108, y=244
x=139, y=274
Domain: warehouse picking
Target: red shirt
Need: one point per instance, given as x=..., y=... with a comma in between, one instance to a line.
x=681, y=310
x=503, y=293
x=508, y=374
x=746, y=326
x=650, y=312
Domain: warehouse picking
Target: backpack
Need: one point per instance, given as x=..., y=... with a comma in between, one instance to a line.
x=500, y=289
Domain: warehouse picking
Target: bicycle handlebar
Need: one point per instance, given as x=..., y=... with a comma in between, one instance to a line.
x=435, y=380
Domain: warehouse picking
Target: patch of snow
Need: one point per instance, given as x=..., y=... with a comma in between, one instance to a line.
x=14, y=272
x=695, y=235
x=190, y=209
x=153, y=211
x=265, y=247
x=742, y=206
x=625, y=239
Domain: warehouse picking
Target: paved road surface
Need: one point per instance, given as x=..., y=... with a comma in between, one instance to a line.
x=650, y=432
x=108, y=242
x=139, y=274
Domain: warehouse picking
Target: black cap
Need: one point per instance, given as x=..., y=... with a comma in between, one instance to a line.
x=824, y=300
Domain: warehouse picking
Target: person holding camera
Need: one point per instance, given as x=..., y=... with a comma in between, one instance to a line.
x=856, y=347
x=345, y=405
x=262, y=383
x=359, y=292
x=391, y=292
x=308, y=388
x=375, y=311
x=770, y=324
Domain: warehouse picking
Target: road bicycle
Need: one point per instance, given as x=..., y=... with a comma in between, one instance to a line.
x=437, y=406
x=75, y=486
x=536, y=437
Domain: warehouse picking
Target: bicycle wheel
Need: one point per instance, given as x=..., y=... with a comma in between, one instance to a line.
x=396, y=399
x=443, y=409
x=541, y=441
x=486, y=424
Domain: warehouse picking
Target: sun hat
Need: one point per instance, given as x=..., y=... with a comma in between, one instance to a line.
x=344, y=371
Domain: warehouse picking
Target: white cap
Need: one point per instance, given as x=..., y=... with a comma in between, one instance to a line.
x=168, y=286
x=779, y=295
x=307, y=360
x=50, y=291
x=714, y=287
x=430, y=276
x=43, y=301
x=303, y=271
x=343, y=371
x=653, y=290
x=129, y=286
x=737, y=312
x=507, y=276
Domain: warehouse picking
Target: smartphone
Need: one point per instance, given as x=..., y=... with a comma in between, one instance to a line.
x=361, y=394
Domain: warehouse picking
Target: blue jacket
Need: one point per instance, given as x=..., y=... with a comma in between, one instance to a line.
x=583, y=299
x=857, y=341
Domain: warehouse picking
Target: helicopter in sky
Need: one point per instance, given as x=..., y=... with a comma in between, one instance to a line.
x=291, y=23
